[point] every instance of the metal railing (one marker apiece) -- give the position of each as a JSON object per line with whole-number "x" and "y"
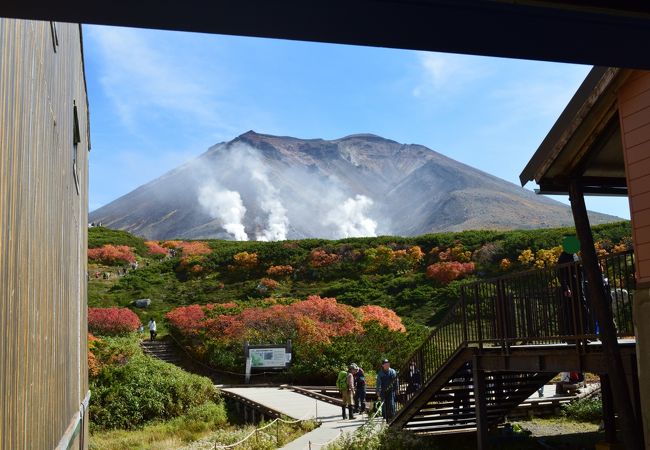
{"x": 543, "y": 306}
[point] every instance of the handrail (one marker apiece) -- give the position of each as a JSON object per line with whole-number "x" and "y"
{"x": 548, "y": 305}
{"x": 445, "y": 340}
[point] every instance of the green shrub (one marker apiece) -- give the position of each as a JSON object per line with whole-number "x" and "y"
{"x": 382, "y": 439}
{"x": 133, "y": 389}
{"x": 588, "y": 409}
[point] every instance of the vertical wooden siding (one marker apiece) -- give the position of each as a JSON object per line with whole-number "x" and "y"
{"x": 43, "y": 233}
{"x": 634, "y": 114}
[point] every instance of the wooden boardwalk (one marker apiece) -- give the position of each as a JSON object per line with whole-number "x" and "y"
{"x": 299, "y": 406}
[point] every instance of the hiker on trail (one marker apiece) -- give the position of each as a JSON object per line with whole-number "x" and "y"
{"x": 413, "y": 379}
{"x": 359, "y": 388}
{"x": 152, "y": 328}
{"x": 345, "y": 384}
{"x": 386, "y": 387}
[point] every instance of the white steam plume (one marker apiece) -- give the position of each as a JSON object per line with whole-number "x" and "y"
{"x": 225, "y": 205}
{"x": 278, "y": 222}
{"x": 350, "y": 217}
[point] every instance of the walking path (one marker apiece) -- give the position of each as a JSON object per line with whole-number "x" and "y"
{"x": 298, "y": 406}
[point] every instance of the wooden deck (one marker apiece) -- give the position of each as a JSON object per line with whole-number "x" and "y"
{"x": 279, "y": 401}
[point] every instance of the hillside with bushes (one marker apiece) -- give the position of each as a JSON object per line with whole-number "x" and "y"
{"x": 352, "y": 299}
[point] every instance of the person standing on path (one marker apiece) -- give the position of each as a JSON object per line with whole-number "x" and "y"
{"x": 152, "y": 329}
{"x": 413, "y": 380}
{"x": 386, "y": 387}
{"x": 359, "y": 388}
{"x": 345, "y": 384}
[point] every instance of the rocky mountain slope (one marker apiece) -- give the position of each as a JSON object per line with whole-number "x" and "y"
{"x": 272, "y": 188}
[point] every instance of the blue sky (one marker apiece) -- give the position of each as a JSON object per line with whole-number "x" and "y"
{"x": 160, "y": 98}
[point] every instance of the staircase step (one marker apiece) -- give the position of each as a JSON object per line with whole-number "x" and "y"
{"x": 162, "y": 350}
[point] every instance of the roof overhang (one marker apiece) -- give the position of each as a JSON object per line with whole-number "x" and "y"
{"x": 585, "y": 142}
{"x": 580, "y": 31}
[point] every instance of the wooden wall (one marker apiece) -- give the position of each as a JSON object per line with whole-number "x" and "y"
{"x": 634, "y": 113}
{"x": 43, "y": 233}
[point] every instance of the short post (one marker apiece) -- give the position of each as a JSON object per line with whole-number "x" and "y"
{"x": 316, "y": 410}
{"x": 309, "y": 445}
{"x": 248, "y": 370}
{"x": 277, "y": 433}
{"x": 248, "y": 362}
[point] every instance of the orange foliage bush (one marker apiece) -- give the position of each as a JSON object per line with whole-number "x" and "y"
{"x": 195, "y": 248}
{"x": 245, "y": 260}
{"x": 279, "y": 271}
{"x": 111, "y": 254}
{"x": 268, "y": 284}
{"x": 94, "y": 366}
{"x": 385, "y": 317}
{"x": 320, "y": 258}
{"x": 172, "y": 244}
{"x": 447, "y": 271}
{"x": 155, "y": 249}
{"x": 456, "y": 253}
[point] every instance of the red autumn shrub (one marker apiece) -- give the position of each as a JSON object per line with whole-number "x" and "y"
{"x": 315, "y": 320}
{"x": 448, "y": 271}
{"x": 187, "y": 320}
{"x": 112, "y": 321}
{"x": 383, "y": 316}
{"x": 155, "y": 249}
{"x": 111, "y": 254}
{"x": 279, "y": 271}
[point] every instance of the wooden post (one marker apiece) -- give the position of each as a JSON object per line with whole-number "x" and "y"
{"x": 608, "y": 409}
{"x": 599, "y": 301}
{"x": 480, "y": 406}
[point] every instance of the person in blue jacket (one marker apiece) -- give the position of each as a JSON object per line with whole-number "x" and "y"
{"x": 386, "y": 388}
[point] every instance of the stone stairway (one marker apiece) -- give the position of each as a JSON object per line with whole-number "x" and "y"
{"x": 163, "y": 350}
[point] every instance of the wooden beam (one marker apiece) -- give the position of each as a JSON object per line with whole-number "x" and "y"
{"x": 480, "y": 406}
{"x": 485, "y": 27}
{"x": 608, "y": 409}
{"x": 599, "y": 301}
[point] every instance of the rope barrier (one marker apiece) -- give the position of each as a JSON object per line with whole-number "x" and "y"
{"x": 325, "y": 443}
{"x": 196, "y": 361}
{"x": 256, "y": 430}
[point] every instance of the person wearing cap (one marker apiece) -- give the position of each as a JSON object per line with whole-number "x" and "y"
{"x": 359, "y": 388}
{"x": 348, "y": 394}
{"x": 386, "y": 387}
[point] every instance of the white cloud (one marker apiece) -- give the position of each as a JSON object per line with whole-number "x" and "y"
{"x": 445, "y": 72}
{"x": 146, "y": 79}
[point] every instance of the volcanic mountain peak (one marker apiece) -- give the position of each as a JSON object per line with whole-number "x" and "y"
{"x": 266, "y": 187}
